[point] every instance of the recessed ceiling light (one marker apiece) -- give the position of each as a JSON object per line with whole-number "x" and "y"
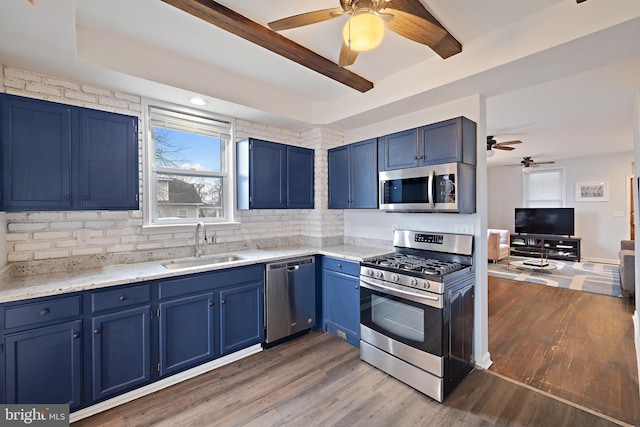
{"x": 197, "y": 101}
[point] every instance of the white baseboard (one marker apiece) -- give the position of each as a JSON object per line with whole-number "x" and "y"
{"x": 164, "y": 383}
{"x": 601, "y": 260}
{"x": 484, "y": 361}
{"x": 636, "y": 327}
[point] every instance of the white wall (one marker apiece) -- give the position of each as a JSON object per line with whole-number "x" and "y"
{"x": 597, "y": 223}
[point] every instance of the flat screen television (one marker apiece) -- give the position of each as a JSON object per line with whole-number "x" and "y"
{"x": 558, "y": 221}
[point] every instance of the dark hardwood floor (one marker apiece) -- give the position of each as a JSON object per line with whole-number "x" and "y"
{"x": 575, "y": 345}
{"x": 318, "y": 380}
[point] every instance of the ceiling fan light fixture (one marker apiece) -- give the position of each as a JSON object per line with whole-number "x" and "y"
{"x": 363, "y": 31}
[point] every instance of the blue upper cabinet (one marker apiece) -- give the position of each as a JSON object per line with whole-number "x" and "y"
{"x": 398, "y": 150}
{"x": 273, "y": 176}
{"x": 353, "y": 176}
{"x": 36, "y": 151}
{"x": 449, "y": 141}
{"x": 452, "y": 140}
{"x": 108, "y": 161}
{"x": 60, "y": 157}
{"x": 300, "y": 175}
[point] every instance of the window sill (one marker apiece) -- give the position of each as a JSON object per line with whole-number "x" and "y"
{"x": 180, "y": 228}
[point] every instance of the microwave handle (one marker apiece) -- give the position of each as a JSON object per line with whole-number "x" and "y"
{"x": 432, "y": 183}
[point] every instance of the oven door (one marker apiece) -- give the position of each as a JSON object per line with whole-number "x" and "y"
{"x": 411, "y": 317}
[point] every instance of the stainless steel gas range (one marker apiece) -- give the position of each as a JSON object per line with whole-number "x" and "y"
{"x": 416, "y": 310}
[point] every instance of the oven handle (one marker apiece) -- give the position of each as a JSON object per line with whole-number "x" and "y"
{"x": 423, "y": 299}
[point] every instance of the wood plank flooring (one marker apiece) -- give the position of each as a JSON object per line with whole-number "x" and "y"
{"x": 318, "y": 380}
{"x": 575, "y": 345}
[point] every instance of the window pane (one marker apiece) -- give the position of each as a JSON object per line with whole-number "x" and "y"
{"x": 189, "y": 197}
{"x": 190, "y": 151}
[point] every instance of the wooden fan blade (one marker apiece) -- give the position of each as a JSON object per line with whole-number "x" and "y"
{"x": 506, "y": 148}
{"x": 305, "y": 19}
{"x": 347, "y": 56}
{"x": 510, "y": 142}
{"x": 415, "y": 28}
{"x": 544, "y": 163}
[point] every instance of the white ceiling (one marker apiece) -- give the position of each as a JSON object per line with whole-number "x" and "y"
{"x": 558, "y": 75}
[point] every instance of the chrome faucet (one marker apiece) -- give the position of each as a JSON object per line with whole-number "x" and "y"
{"x": 199, "y": 226}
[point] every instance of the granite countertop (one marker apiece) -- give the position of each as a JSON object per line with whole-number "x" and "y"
{"x": 13, "y": 288}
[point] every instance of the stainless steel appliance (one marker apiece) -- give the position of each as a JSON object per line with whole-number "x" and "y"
{"x": 449, "y": 187}
{"x": 416, "y": 310}
{"x": 290, "y": 297}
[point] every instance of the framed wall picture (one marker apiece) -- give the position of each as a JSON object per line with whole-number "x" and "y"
{"x": 592, "y": 192}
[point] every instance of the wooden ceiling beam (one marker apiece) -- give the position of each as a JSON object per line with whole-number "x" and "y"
{"x": 448, "y": 46}
{"x": 229, "y": 20}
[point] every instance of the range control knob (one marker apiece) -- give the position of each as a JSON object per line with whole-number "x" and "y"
{"x": 379, "y": 274}
{"x": 368, "y": 272}
{"x": 426, "y": 284}
{"x": 413, "y": 282}
{"x": 395, "y": 277}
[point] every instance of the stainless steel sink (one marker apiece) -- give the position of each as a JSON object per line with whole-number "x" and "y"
{"x": 200, "y": 262}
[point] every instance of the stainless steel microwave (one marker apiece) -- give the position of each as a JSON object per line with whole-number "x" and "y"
{"x": 449, "y": 187}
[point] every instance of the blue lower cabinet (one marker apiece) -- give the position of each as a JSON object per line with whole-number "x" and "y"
{"x": 44, "y": 365}
{"x": 341, "y": 300}
{"x": 186, "y": 332}
{"x": 121, "y": 358}
{"x": 241, "y": 316}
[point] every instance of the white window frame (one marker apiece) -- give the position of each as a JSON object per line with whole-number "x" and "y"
{"x": 525, "y": 187}
{"x": 150, "y": 225}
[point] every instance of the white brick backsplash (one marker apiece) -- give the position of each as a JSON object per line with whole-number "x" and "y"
{"x": 21, "y": 227}
{"x": 87, "y": 251}
{"x": 18, "y": 256}
{"x": 51, "y": 81}
{"x": 53, "y": 235}
{"x": 121, "y": 248}
{"x": 43, "y": 89}
{"x": 31, "y": 247}
{"x": 83, "y": 215}
{"x": 66, "y": 225}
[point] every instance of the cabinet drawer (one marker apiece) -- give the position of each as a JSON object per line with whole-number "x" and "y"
{"x": 120, "y": 298}
{"x": 342, "y": 266}
{"x": 209, "y": 281}
{"x": 42, "y": 312}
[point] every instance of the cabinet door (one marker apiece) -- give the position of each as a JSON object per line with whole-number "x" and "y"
{"x": 44, "y": 365}
{"x": 267, "y": 175}
{"x": 441, "y": 142}
{"x": 339, "y": 160}
{"x": 186, "y": 332}
{"x": 121, "y": 351}
{"x": 241, "y": 317}
{"x": 398, "y": 150}
{"x": 364, "y": 175}
{"x": 341, "y": 310}
{"x": 36, "y": 148}
{"x": 108, "y": 161}
{"x": 448, "y": 141}
{"x": 300, "y": 174}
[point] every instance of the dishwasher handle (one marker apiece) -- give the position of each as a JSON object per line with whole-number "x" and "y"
{"x": 290, "y": 265}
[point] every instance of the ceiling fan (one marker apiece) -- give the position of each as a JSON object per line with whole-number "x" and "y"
{"x": 364, "y": 29}
{"x": 492, "y": 143}
{"x": 529, "y": 162}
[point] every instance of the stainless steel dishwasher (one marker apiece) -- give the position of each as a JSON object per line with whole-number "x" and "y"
{"x": 290, "y": 297}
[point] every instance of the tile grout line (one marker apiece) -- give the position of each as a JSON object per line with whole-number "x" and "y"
{"x": 560, "y": 399}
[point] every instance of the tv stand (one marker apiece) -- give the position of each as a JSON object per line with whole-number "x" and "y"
{"x": 556, "y": 247}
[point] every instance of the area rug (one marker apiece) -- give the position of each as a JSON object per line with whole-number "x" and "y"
{"x": 581, "y": 276}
